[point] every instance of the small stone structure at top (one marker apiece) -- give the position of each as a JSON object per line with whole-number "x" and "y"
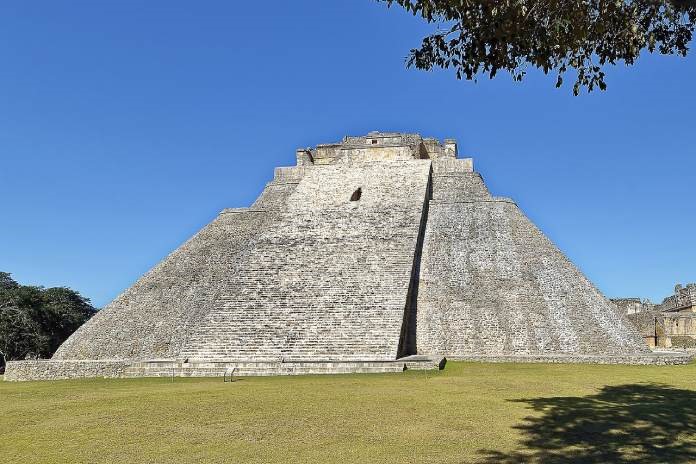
{"x": 374, "y": 254}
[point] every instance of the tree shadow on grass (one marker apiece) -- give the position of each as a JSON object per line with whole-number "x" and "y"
{"x": 636, "y": 423}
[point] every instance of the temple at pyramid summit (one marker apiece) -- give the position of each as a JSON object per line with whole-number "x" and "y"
{"x": 378, "y": 253}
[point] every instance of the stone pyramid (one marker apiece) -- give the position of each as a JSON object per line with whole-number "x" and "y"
{"x": 376, "y": 249}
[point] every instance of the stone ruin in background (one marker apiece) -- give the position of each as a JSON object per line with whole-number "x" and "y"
{"x": 670, "y": 324}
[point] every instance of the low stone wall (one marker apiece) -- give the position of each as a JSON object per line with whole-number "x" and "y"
{"x": 655, "y": 358}
{"x": 46, "y": 369}
{"x": 71, "y": 369}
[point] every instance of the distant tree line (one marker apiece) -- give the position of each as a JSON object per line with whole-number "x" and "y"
{"x": 34, "y": 321}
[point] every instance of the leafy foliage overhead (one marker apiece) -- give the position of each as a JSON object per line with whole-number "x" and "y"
{"x": 482, "y": 37}
{"x": 34, "y": 321}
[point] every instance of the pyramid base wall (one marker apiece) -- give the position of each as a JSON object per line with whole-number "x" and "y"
{"x": 46, "y": 369}
{"x": 666, "y": 358}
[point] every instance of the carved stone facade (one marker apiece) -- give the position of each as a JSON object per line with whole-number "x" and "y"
{"x": 670, "y": 324}
{"x": 374, "y": 254}
{"x": 666, "y": 330}
{"x": 683, "y": 300}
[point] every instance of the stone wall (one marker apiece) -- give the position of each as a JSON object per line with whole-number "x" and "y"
{"x": 679, "y": 330}
{"x": 667, "y": 330}
{"x": 57, "y": 370}
{"x": 665, "y": 358}
{"x": 645, "y": 322}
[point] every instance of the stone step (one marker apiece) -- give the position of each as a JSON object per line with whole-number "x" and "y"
{"x": 248, "y": 368}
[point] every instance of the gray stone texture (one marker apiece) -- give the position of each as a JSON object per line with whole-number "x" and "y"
{"x": 330, "y": 278}
{"x": 491, "y": 284}
{"x": 47, "y": 369}
{"x": 425, "y": 261}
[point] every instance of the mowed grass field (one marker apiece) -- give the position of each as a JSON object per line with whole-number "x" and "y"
{"x": 469, "y": 412}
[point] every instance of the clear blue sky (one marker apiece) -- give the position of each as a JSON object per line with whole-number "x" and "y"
{"x": 125, "y": 126}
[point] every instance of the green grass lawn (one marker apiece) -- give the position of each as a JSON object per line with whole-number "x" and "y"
{"x": 469, "y": 412}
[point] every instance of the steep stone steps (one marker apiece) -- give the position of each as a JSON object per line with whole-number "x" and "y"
{"x": 330, "y": 279}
